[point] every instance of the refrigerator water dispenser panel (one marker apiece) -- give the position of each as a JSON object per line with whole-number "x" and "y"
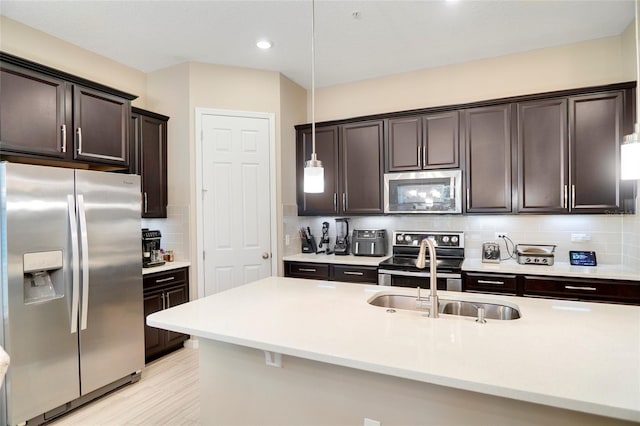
{"x": 41, "y": 270}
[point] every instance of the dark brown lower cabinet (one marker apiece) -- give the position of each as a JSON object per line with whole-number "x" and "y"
{"x": 163, "y": 290}
{"x": 332, "y": 272}
{"x": 570, "y": 288}
{"x": 583, "y": 289}
{"x": 493, "y": 283}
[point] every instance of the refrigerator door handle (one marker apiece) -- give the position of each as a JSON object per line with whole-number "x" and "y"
{"x": 75, "y": 264}
{"x": 85, "y": 263}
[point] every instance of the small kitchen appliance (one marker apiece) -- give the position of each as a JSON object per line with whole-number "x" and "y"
{"x": 430, "y": 191}
{"x": 368, "y": 242}
{"x": 490, "y": 252}
{"x": 342, "y": 237}
{"x": 151, "y": 255}
{"x": 400, "y": 269}
{"x": 535, "y": 254}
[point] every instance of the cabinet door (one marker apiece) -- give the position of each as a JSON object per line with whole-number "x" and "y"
{"x": 543, "y": 163}
{"x": 314, "y": 271}
{"x": 32, "y": 114}
{"x": 488, "y": 159}
{"x": 441, "y": 145}
{"x": 101, "y": 123}
{"x": 404, "y": 144}
{"x": 361, "y": 168}
{"x": 153, "y": 160}
{"x": 327, "y": 152}
{"x": 154, "y": 338}
{"x": 594, "y": 139}
{"x": 175, "y": 296}
{"x": 490, "y": 283}
{"x": 355, "y": 274}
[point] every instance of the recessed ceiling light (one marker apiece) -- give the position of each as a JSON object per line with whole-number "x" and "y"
{"x": 264, "y": 44}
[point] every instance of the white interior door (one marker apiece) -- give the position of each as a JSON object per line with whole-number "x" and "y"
{"x": 236, "y": 213}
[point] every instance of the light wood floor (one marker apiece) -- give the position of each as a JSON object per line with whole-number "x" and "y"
{"x": 167, "y": 394}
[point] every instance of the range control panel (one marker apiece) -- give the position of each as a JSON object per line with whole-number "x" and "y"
{"x": 442, "y": 239}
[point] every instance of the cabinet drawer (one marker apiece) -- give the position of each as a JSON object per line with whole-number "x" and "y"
{"x": 593, "y": 290}
{"x": 165, "y": 278}
{"x": 318, "y": 271}
{"x": 494, "y": 283}
{"x": 355, "y": 274}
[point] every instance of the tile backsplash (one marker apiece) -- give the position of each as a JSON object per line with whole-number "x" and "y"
{"x": 174, "y": 230}
{"x": 600, "y": 233}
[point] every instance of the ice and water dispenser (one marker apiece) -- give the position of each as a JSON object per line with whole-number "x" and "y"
{"x": 43, "y": 276}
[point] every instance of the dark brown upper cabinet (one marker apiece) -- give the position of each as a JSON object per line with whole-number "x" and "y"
{"x": 543, "y": 156}
{"x": 53, "y": 117}
{"x": 324, "y": 203}
{"x": 423, "y": 142}
{"x": 149, "y": 139}
{"x": 352, "y": 158}
{"x": 32, "y": 113}
{"x": 101, "y": 127}
{"x": 488, "y": 162}
{"x": 595, "y": 134}
{"x": 362, "y": 167}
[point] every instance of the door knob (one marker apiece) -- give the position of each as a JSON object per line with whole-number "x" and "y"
{"x": 265, "y": 255}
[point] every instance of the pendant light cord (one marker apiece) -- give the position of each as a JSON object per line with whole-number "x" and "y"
{"x": 313, "y": 79}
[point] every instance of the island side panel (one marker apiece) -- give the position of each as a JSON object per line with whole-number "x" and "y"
{"x": 238, "y": 388}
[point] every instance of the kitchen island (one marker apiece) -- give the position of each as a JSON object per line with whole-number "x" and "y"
{"x": 292, "y": 351}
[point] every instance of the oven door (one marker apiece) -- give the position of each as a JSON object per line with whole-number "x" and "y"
{"x": 444, "y": 281}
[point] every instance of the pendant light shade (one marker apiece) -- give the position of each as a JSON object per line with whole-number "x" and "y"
{"x": 630, "y": 149}
{"x": 630, "y": 156}
{"x": 313, "y": 170}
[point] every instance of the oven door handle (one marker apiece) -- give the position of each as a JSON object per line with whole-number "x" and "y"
{"x": 417, "y": 274}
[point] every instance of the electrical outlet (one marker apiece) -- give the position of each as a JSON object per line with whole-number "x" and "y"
{"x": 370, "y": 422}
{"x": 498, "y": 235}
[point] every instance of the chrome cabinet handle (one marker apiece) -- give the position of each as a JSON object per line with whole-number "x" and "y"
{"x": 573, "y": 196}
{"x": 573, "y": 287}
{"x": 146, "y": 202}
{"x": 565, "y": 196}
{"x": 468, "y": 198}
{"x": 419, "y": 157}
{"x": 335, "y": 201}
{"x": 353, "y": 273}
{"x": 163, "y": 302}
{"x": 491, "y": 282}
{"x": 164, "y": 280}
{"x": 168, "y": 300}
{"x": 344, "y": 201}
{"x": 79, "y": 133}
{"x": 63, "y": 132}
{"x": 307, "y": 270}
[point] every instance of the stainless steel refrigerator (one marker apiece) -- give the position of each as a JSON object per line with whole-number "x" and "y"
{"x": 71, "y": 287}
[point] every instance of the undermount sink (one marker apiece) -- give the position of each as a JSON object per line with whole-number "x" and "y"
{"x": 465, "y": 308}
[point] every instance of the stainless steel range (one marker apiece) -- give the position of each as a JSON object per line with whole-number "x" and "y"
{"x": 401, "y": 270}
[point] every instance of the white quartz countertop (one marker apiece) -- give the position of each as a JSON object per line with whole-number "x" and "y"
{"x": 338, "y": 260}
{"x": 573, "y": 355}
{"x": 563, "y": 269}
{"x": 168, "y": 266}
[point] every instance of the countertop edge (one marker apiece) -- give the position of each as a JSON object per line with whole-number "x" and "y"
{"x": 169, "y": 266}
{"x": 499, "y": 391}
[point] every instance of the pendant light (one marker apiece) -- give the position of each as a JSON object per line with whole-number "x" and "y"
{"x": 630, "y": 149}
{"x": 313, "y": 170}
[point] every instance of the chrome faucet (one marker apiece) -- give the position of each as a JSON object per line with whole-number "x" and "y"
{"x": 421, "y": 264}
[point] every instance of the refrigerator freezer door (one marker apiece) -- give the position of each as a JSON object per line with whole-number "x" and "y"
{"x": 112, "y": 345}
{"x": 36, "y": 332}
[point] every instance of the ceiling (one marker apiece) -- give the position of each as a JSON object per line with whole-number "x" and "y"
{"x": 355, "y": 40}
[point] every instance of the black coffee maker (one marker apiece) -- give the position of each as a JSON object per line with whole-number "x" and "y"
{"x": 151, "y": 255}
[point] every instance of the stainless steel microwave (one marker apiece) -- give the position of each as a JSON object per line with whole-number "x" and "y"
{"x": 437, "y": 191}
